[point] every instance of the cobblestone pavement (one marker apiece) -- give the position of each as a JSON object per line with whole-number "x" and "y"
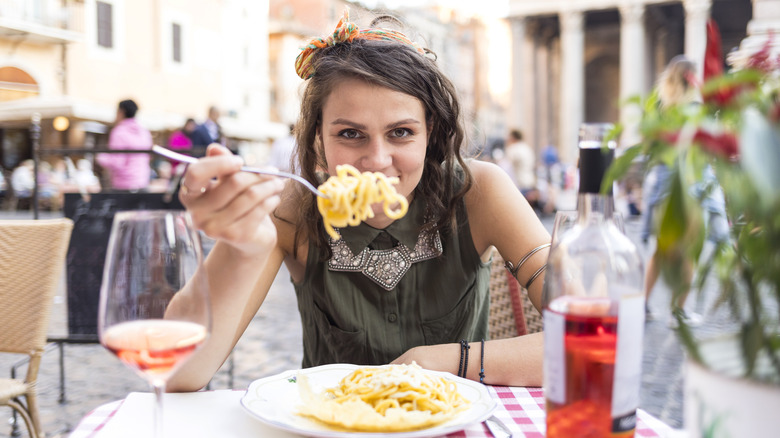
{"x": 272, "y": 344}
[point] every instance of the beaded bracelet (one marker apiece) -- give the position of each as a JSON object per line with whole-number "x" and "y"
{"x": 463, "y": 366}
{"x": 482, "y": 363}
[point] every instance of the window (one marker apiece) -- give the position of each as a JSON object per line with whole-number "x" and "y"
{"x": 176, "y": 42}
{"x": 105, "y": 29}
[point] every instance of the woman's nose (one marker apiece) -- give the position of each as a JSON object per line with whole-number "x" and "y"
{"x": 378, "y": 156}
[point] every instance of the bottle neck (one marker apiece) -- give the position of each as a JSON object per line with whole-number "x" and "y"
{"x": 594, "y": 208}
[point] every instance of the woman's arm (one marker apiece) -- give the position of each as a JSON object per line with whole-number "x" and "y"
{"x": 513, "y": 361}
{"x": 237, "y": 288}
{"x": 500, "y": 216}
{"x": 235, "y": 209}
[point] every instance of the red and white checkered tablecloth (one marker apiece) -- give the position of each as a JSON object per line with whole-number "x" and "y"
{"x": 521, "y": 409}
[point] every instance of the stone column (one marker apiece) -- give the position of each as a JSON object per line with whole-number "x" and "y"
{"x": 518, "y": 116}
{"x": 528, "y": 100}
{"x": 632, "y": 67}
{"x": 696, "y": 14}
{"x": 766, "y": 20}
{"x": 572, "y": 82}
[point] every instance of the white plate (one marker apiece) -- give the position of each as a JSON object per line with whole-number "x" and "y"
{"x": 274, "y": 401}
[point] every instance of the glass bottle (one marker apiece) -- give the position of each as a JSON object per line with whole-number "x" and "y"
{"x": 593, "y": 312}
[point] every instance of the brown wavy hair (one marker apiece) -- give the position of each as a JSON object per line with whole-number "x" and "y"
{"x": 401, "y": 68}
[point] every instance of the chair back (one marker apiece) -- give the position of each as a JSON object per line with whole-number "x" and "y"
{"x": 32, "y": 260}
{"x": 511, "y": 311}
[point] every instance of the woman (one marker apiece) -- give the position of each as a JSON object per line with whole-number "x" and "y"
{"x": 677, "y": 91}
{"x": 376, "y": 101}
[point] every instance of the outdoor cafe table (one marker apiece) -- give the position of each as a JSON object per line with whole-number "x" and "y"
{"x": 219, "y": 413}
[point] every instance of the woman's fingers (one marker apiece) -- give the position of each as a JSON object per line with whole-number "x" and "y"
{"x": 199, "y": 177}
{"x": 229, "y": 204}
{"x": 235, "y": 198}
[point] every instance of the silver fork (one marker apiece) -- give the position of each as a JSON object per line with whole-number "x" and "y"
{"x": 498, "y": 428}
{"x": 159, "y": 150}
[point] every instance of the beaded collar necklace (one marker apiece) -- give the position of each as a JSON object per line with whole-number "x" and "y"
{"x": 385, "y": 267}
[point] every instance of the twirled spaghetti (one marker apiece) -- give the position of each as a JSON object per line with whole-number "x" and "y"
{"x": 393, "y": 398}
{"x": 351, "y": 194}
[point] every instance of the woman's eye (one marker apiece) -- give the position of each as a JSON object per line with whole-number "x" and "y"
{"x": 349, "y": 133}
{"x": 400, "y": 132}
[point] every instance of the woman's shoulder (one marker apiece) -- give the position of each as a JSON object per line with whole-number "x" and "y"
{"x": 487, "y": 175}
{"x": 491, "y": 187}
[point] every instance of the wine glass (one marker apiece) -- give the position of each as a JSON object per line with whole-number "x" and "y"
{"x": 154, "y": 304}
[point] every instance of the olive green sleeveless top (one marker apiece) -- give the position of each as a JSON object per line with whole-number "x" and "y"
{"x": 387, "y": 290}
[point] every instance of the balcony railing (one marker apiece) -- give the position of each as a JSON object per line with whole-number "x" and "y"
{"x": 42, "y": 21}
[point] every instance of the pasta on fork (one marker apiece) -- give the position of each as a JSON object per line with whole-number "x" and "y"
{"x": 351, "y": 195}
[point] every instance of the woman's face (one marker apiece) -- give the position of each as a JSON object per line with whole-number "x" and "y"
{"x": 375, "y": 129}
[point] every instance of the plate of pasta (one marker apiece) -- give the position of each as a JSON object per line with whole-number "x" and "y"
{"x": 398, "y": 401}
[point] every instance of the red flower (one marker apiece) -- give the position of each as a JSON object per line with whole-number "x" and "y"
{"x": 724, "y": 144}
{"x": 669, "y": 137}
{"x": 723, "y": 95}
{"x": 722, "y": 92}
{"x": 713, "y": 59}
{"x": 760, "y": 60}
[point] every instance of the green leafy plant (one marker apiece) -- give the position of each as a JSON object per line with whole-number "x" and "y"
{"x": 735, "y": 132}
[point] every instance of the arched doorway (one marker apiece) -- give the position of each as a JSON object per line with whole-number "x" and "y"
{"x": 16, "y": 84}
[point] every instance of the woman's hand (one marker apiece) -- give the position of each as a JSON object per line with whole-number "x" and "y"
{"x": 230, "y": 205}
{"x": 442, "y": 357}
{"x": 512, "y": 361}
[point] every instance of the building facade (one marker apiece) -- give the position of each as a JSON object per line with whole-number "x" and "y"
{"x": 78, "y": 58}
{"x": 575, "y": 61}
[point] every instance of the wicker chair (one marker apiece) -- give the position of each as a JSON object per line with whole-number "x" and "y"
{"x": 511, "y": 311}
{"x": 32, "y": 258}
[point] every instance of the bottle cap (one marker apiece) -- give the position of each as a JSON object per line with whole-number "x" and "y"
{"x": 595, "y": 155}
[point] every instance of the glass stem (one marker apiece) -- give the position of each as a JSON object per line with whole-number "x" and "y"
{"x": 159, "y": 389}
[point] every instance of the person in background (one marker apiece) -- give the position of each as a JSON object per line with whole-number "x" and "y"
{"x": 84, "y": 177}
{"x": 282, "y": 151}
{"x": 207, "y": 132}
{"x": 522, "y": 160}
{"x": 127, "y": 172}
{"x": 181, "y": 140}
{"x": 676, "y": 88}
{"x": 162, "y": 177}
{"x": 3, "y": 185}
{"x": 23, "y": 179}
{"x": 551, "y": 164}
{"x": 377, "y": 101}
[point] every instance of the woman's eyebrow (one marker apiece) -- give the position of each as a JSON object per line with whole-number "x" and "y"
{"x": 403, "y": 122}
{"x": 348, "y": 123}
{"x": 392, "y": 125}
